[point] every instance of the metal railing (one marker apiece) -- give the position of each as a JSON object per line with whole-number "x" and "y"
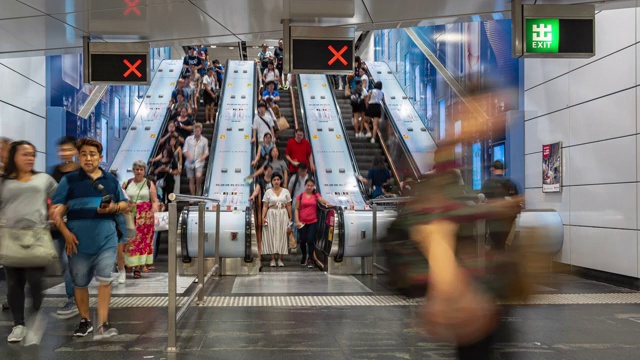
{"x": 175, "y": 314}
{"x": 374, "y": 232}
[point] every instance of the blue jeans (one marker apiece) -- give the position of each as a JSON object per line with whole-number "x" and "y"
{"x": 308, "y": 239}
{"x": 84, "y": 267}
{"x": 64, "y": 266}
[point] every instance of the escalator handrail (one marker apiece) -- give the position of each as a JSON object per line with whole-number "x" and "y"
{"x": 341, "y": 235}
{"x": 354, "y": 163}
{"x": 412, "y": 162}
{"x": 214, "y": 140}
{"x": 248, "y": 256}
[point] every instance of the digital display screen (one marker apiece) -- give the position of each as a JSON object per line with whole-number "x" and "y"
{"x": 119, "y": 68}
{"x": 323, "y": 55}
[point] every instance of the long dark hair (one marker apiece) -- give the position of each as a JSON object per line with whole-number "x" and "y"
{"x": 10, "y": 168}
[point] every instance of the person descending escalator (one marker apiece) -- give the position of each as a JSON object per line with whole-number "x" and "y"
{"x": 306, "y": 220}
{"x": 378, "y": 175}
{"x": 276, "y": 214}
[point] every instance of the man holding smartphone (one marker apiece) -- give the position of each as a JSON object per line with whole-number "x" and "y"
{"x": 91, "y": 198}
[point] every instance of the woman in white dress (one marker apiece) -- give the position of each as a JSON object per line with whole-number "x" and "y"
{"x": 276, "y": 213}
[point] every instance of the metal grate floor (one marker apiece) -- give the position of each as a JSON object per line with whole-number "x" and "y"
{"x": 339, "y": 301}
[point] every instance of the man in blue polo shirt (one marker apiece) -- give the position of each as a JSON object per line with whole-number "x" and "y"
{"x": 91, "y": 198}
{"x": 271, "y": 92}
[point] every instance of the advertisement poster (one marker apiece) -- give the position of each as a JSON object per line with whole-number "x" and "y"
{"x": 552, "y": 167}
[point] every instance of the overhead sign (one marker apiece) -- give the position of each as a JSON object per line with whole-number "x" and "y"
{"x": 319, "y": 50}
{"x": 566, "y": 31}
{"x": 116, "y": 63}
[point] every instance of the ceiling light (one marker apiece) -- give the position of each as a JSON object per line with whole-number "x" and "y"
{"x": 230, "y": 47}
{"x": 213, "y": 46}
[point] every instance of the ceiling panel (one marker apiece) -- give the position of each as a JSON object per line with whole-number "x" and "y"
{"x": 14, "y": 9}
{"x": 37, "y": 33}
{"x": 152, "y": 23}
{"x": 244, "y": 16}
{"x": 398, "y": 10}
{"x": 71, "y": 6}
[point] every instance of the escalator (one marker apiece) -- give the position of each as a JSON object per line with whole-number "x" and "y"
{"x": 229, "y": 163}
{"x": 148, "y": 126}
{"x": 410, "y": 144}
{"x": 348, "y": 230}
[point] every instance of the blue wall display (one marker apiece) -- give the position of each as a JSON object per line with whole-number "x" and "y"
{"x": 112, "y": 115}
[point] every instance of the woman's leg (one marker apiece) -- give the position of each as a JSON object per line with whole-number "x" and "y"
{"x": 16, "y": 279}
{"x": 365, "y": 123}
{"x": 34, "y": 278}
{"x": 376, "y": 122}
{"x": 311, "y": 239}
{"x": 356, "y": 124}
{"x": 121, "y": 249}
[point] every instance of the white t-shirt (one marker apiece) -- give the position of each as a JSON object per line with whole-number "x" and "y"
{"x": 197, "y": 149}
{"x": 365, "y": 81}
{"x": 209, "y": 81}
{"x": 375, "y": 96}
{"x": 272, "y": 75}
{"x": 261, "y": 127}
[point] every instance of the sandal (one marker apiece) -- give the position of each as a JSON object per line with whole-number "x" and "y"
{"x": 151, "y": 268}
{"x": 137, "y": 274}
{"x": 145, "y": 269}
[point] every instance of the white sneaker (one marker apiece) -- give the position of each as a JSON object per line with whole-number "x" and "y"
{"x": 122, "y": 277}
{"x": 280, "y": 263}
{"x": 273, "y": 263}
{"x": 373, "y": 140}
{"x": 17, "y": 334}
{"x": 368, "y": 135}
{"x": 37, "y": 326}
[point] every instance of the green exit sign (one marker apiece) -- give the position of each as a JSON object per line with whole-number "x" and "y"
{"x": 542, "y": 35}
{"x": 553, "y": 31}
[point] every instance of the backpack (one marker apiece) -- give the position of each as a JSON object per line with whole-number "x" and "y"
{"x": 356, "y": 98}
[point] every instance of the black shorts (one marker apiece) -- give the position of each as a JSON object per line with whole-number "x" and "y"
{"x": 374, "y": 111}
{"x": 208, "y": 99}
{"x": 279, "y": 68}
{"x": 358, "y": 108}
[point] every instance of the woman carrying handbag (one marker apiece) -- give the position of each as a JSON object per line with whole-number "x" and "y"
{"x": 26, "y": 247}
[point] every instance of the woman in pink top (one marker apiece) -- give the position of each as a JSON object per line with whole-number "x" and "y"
{"x": 306, "y": 218}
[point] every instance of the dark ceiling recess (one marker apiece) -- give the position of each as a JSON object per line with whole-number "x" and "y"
{"x": 360, "y": 40}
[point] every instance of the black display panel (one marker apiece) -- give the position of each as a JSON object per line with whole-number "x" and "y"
{"x": 116, "y": 68}
{"x": 576, "y": 36}
{"x": 322, "y": 55}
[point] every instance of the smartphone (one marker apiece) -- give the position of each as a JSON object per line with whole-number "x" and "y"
{"x": 106, "y": 201}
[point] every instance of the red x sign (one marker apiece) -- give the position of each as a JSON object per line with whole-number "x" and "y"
{"x": 337, "y": 55}
{"x": 132, "y": 6}
{"x": 132, "y": 68}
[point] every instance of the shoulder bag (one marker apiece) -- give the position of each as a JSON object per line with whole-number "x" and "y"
{"x": 25, "y": 248}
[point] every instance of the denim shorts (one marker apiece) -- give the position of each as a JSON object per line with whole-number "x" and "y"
{"x": 84, "y": 267}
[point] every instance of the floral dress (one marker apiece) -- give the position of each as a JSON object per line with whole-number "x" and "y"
{"x": 140, "y": 250}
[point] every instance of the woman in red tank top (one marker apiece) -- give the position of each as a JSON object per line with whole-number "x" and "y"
{"x": 306, "y": 218}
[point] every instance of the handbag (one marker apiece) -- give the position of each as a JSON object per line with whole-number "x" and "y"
{"x": 26, "y": 248}
{"x": 292, "y": 241}
{"x": 283, "y": 124}
{"x": 347, "y": 91}
{"x": 161, "y": 221}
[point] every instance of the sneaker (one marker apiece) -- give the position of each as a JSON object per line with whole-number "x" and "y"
{"x": 105, "y": 331}
{"x": 68, "y": 310}
{"x": 122, "y": 277}
{"x": 273, "y": 263}
{"x": 280, "y": 263}
{"x": 83, "y": 329}
{"x": 369, "y": 135}
{"x": 304, "y": 260}
{"x": 310, "y": 264}
{"x": 373, "y": 140}
{"x": 17, "y": 334}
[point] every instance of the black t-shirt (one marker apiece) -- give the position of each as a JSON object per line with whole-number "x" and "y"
{"x": 58, "y": 174}
{"x": 279, "y": 54}
{"x": 181, "y": 131}
{"x": 499, "y": 187}
{"x": 192, "y": 60}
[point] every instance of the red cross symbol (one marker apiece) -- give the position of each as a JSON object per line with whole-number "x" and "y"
{"x": 337, "y": 55}
{"x": 132, "y": 6}
{"x": 132, "y": 68}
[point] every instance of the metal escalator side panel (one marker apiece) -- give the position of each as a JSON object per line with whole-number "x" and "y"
{"x": 413, "y": 133}
{"x": 232, "y": 233}
{"x": 141, "y": 140}
{"x": 335, "y": 169}
{"x": 356, "y": 231}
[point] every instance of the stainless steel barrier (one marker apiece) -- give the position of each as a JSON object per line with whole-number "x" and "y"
{"x": 374, "y": 235}
{"x": 174, "y": 314}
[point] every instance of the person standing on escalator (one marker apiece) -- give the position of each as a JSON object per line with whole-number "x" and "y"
{"x": 306, "y": 220}
{"x": 377, "y": 176}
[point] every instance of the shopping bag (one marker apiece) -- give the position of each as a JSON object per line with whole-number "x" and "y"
{"x": 161, "y": 221}
{"x": 283, "y": 124}
{"x": 292, "y": 241}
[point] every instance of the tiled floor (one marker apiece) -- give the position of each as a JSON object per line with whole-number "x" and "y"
{"x": 310, "y": 315}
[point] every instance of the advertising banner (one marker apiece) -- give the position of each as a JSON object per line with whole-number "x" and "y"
{"x": 552, "y": 167}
